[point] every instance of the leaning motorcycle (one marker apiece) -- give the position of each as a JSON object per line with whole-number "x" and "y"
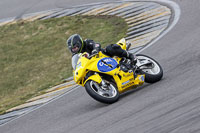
{"x": 105, "y": 78}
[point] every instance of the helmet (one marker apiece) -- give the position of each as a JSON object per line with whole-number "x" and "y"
{"x": 75, "y": 43}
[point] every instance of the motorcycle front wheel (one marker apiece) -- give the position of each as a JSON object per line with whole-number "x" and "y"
{"x": 108, "y": 94}
{"x": 153, "y": 71}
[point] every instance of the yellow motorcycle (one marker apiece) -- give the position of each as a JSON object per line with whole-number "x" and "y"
{"x": 105, "y": 78}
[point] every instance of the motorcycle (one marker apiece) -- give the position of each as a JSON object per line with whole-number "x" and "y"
{"x": 105, "y": 78}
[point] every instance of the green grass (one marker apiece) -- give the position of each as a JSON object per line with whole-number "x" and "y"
{"x": 34, "y": 56}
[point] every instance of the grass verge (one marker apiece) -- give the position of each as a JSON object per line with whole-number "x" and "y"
{"x": 34, "y": 56}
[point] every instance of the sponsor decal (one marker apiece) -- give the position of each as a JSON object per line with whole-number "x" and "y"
{"x": 127, "y": 75}
{"x": 128, "y": 84}
{"x": 125, "y": 82}
{"x": 106, "y": 64}
{"x": 142, "y": 78}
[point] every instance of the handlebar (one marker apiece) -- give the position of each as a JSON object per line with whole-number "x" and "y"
{"x": 92, "y": 55}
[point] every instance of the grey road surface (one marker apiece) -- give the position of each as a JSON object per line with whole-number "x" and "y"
{"x": 169, "y": 106}
{"x": 15, "y": 8}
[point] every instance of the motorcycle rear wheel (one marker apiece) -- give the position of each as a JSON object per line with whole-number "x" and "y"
{"x": 107, "y": 95}
{"x": 153, "y": 74}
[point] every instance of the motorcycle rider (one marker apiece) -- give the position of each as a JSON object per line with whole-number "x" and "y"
{"x": 77, "y": 45}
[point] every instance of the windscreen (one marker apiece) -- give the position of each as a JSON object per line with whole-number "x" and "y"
{"x": 75, "y": 60}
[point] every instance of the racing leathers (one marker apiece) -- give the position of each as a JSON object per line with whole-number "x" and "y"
{"x": 111, "y": 50}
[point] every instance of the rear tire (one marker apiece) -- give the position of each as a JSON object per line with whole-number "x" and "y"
{"x": 105, "y": 96}
{"x": 152, "y": 75}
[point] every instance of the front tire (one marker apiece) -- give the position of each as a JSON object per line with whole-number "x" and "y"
{"x": 154, "y": 73}
{"x": 107, "y": 95}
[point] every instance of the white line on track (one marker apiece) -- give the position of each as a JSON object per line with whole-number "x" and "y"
{"x": 176, "y": 12}
{"x": 73, "y": 89}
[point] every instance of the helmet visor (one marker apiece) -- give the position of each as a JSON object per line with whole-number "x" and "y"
{"x": 76, "y": 48}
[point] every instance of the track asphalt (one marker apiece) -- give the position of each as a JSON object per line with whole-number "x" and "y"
{"x": 169, "y": 106}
